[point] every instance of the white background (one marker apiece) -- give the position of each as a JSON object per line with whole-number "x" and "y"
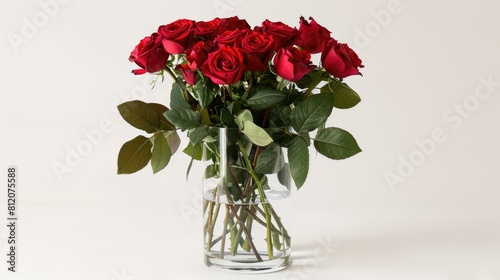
{"x": 441, "y": 221}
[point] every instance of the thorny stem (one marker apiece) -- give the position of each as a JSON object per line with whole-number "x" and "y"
{"x": 249, "y": 236}
{"x": 263, "y": 199}
{"x": 226, "y": 222}
{"x": 274, "y": 229}
{"x": 234, "y": 245}
{"x": 280, "y": 224}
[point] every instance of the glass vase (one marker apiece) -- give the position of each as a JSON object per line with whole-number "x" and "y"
{"x": 246, "y": 204}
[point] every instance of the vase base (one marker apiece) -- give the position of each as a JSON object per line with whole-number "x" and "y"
{"x": 246, "y": 263}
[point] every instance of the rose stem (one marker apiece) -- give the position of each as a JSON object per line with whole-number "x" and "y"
{"x": 224, "y": 232}
{"x": 263, "y": 201}
{"x": 242, "y": 225}
{"x": 273, "y": 228}
{"x": 243, "y": 215}
{"x": 212, "y": 219}
{"x": 171, "y": 74}
{"x": 278, "y": 222}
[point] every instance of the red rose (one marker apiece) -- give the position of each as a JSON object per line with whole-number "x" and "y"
{"x": 149, "y": 54}
{"x": 177, "y": 35}
{"x": 257, "y": 49}
{"x": 196, "y": 55}
{"x": 230, "y": 37}
{"x": 207, "y": 29}
{"x": 233, "y": 23}
{"x": 340, "y": 60}
{"x": 312, "y": 35}
{"x": 292, "y": 64}
{"x": 188, "y": 74}
{"x": 225, "y": 66}
{"x": 283, "y": 34}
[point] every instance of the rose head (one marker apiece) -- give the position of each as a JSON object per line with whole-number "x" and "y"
{"x": 233, "y": 23}
{"x": 149, "y": 54}
{"x": 207, "y": 29}
{"x": 257, "y": 49}
{"x": 283, "y": 34}
{"x": 312, "y": 35}
{"x": 177, "y": 36}
{"x": 196, "y": 55}
{"x": 230, "y": 38}
{"x": 224, "y": 66}
{"x": 292, "y": 64}
{"x": 340, "y": 60}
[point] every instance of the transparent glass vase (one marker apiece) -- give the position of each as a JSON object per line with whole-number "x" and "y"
{"x": 246, "y": 204}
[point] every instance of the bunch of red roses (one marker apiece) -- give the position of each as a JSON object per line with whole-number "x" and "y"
{"x": 224, "y": 49}
{"x": 261, "y": 81}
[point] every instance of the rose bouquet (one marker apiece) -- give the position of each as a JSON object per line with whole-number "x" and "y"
{"x": 262, "y": 86}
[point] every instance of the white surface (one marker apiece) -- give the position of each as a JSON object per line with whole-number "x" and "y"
{"x": 441, "y": 223}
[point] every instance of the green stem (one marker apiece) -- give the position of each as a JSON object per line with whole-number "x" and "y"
{"x": 250, "y": 85}
{"x": 169, "y": 71}
{"x": 212, "y": 219}
{"x": 242, "y": 218}
{"x": 280, "y": 224}
{"x": 262, "y": 198}
{"x": 247, "y": 233}
{"x": 205, "y": 117}
{"x": 241, "y": 221}
{"x": 230, "y": 92}
{"x": 224, "y": 233}
{"x": 312, "y": 86}
{"x": 273, "y": 228}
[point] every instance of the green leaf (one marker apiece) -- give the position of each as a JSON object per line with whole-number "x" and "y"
{"x": 177, "y": 97}
{"x": 298, "y": 158}
{"x": 198, "y": 134}
{"x": 277, "y": 240}
{"x": 164, "y": 123}
{"x": 183, "y": 118}
{"x": 204, "y": 94}
{"x": 336, "y": 143}
{"x": 227, "y": 118}
{"x": 161, "y": 153}
{"x": 343, "y": 96}
{"x": 284, "y": 176}
{"x": 210, "y": 171}
{"x": 173, "y": 140}
{"x": 134, "y": 155}
{"x": 242, "y": 117}
{"x": 265, "y": 98}
{"x": 235, "y": 107}
{"x": 140, "y": 115}
{"x": 256, "y": 134}
{"x": 270, "y": 160}
{"x": 311, "y": 112}
{"x": 280, "y": 116}
{"x": 196, "y": 152}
